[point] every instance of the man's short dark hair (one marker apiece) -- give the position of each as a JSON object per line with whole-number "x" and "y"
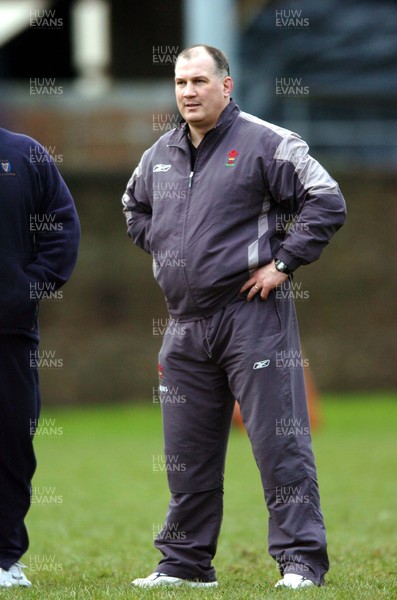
{"x": 222, "y": 68}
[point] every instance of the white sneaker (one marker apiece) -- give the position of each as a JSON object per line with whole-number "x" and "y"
{"x": 5, "y": 578}
{"x": 14, "y": 576}
{"x": 294, "y": 581}
{"x": 156, "y": 579}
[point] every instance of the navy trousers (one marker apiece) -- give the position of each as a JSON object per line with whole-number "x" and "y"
{"x": 249, "y": 351}
{"x": 19, "y": 413}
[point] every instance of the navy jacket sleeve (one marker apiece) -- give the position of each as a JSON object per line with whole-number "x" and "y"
{"x": 39, "y": 231}
{"x": 55, "y": 227}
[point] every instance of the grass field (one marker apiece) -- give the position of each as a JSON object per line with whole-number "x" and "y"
{"x": 99, "y": 497}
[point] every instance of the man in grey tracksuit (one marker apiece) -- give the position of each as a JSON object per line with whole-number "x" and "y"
{"x": 210, "y": 200}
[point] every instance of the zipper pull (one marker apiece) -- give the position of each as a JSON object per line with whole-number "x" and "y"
{"x": 191, "y": 178}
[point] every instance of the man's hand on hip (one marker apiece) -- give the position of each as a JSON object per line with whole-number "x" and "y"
{"x": 263, "y": 280}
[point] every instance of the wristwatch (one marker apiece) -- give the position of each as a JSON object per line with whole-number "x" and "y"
{"x": 282, "y": 267}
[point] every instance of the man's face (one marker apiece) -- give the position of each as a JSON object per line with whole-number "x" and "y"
{"x": 201, "y": 95}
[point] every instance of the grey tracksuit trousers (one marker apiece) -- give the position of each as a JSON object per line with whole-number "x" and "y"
{"x": 249, "y": 351}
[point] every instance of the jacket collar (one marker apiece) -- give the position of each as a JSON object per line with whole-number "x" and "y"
{"x": 227, "y": 117}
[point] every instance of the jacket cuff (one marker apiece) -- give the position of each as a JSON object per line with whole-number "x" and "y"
{"x": 287, "y": 258}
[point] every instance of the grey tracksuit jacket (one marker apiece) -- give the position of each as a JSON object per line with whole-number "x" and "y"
{"x": 255, "y": 194}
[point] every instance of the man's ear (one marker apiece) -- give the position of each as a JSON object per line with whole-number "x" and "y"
{"x": 227, "y": 86}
